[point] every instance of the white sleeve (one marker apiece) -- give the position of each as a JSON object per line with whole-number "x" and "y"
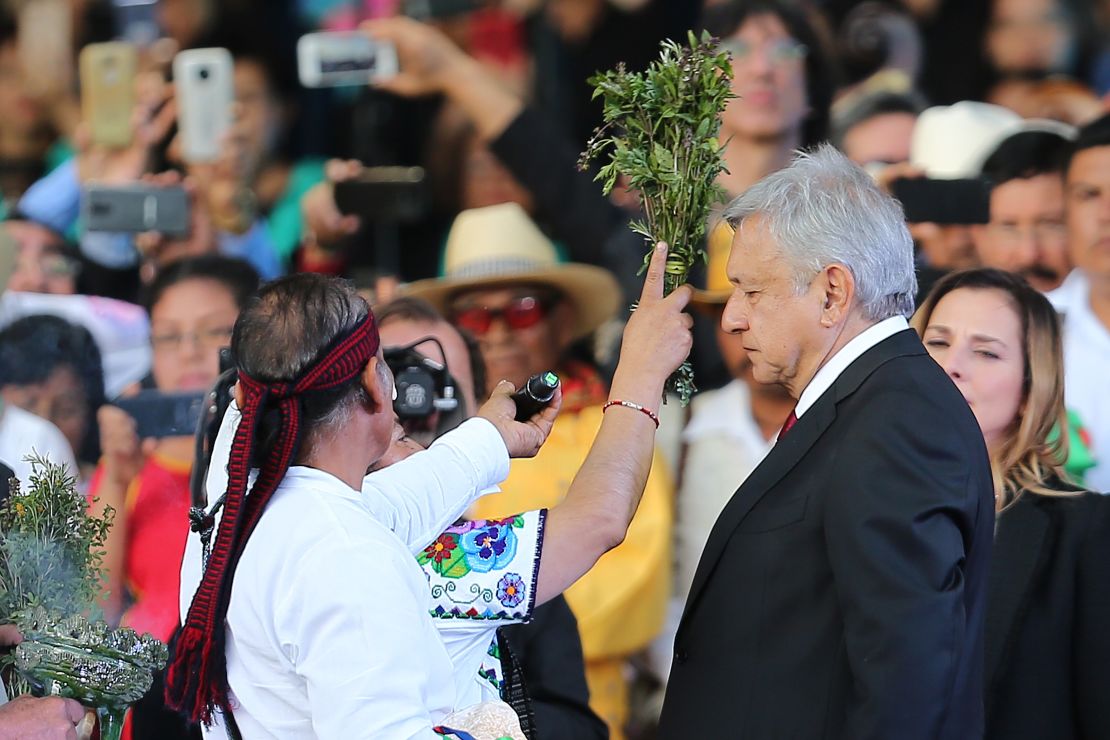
{"x": 420, "y": 496}
{"x": 358, "y": 635}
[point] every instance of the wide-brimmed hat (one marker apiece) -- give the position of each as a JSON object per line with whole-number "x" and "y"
{"x": 952, "y": 141}
{"x": 717, "y": 287}
{"x": 500, "y": 246}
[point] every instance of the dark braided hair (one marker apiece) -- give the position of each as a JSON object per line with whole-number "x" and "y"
{"x": 301, "y": 345}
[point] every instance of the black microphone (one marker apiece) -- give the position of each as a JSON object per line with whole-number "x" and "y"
{"x": 536, "y": 393}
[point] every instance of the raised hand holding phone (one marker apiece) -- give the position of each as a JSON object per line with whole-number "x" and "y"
{"x": 204, "y": 89}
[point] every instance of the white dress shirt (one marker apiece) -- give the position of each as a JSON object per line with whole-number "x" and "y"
{"x": 1086, "y": 361}
{"x": 848, "y": 354}
{"x": 329, "y": 628}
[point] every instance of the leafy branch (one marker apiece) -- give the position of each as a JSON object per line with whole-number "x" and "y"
{"x": 660, "y": 132}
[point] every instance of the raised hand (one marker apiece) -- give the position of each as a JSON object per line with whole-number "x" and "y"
{"x": 323, "y": 223}
{"x": 425, "y": 56}
{"x": 523, "y": 439}
{"x": 656, "y": 339}
{"x": 151, "y": 120}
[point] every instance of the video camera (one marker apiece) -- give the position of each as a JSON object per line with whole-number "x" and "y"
{"x": 424, "y": 388}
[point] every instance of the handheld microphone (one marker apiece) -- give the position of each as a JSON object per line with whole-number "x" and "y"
{"x": 536, "y": 393}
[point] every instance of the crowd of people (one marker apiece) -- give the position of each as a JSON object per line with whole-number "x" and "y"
{"x": 880, "y": 516}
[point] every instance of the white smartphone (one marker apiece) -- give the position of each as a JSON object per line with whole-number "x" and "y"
{"x": 334, "y": 59}
{"x": 203, "y": 81}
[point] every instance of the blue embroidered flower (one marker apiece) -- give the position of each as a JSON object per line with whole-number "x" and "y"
{"x": 510, "y": 589}
{"x": 489, "y": 547}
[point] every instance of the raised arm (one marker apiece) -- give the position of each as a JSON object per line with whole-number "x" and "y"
{"x": 594, "y": 516}
{"x": 592, "y": 229}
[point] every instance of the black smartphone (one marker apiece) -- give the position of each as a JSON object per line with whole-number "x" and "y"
{"x": 396, "y": 194}
{"x": 944, "y": 201}
{"x": 159, "y": 415}
{"x": 135, "y": 208}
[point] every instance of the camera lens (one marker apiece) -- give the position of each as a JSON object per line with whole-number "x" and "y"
{"x": 203, "y": 73}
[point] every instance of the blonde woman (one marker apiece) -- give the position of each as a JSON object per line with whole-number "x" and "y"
{"x": 1048, "y": 613}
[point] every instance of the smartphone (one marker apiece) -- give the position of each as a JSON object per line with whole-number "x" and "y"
{"x": 108, "y": 91}
{"x": 337, "y": 58}
{"x": 136, "y": 21}
{"x": 395, "y": 194}
{"x": 159, "y": 415}
{"x": 944, "y": 201}
{"x": 135, "y": 208}
{"x": 203, "y": 81}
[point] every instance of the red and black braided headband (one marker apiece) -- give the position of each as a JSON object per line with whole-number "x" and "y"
{"x": 196, "y": 679}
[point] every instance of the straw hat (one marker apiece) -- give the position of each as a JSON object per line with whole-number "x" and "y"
{"x": 953, "y": 141}
{"x": 717, "y": 287}
{"x": 500, "y": 246}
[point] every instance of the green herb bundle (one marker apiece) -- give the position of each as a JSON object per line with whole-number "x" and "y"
{"x": 660, "y": 132}
{"x": 50, "y": 549}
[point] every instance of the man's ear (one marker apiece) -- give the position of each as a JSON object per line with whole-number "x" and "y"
{"x": 377, "y": 389}
{"x": 840, "y": 293}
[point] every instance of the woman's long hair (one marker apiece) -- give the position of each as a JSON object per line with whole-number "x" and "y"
{"x": 1031, "y": 458}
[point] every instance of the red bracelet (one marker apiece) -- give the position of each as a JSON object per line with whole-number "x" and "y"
{"x": 628, "y": 404}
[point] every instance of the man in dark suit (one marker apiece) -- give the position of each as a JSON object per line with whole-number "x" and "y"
{"x": 841, "y": 592}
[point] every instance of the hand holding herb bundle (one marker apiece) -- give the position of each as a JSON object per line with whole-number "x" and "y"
{"x": 660, "y": 131}
{"x": 51, "y": 578}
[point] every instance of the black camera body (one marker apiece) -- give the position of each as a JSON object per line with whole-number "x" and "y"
{"x": 424, "y": 387}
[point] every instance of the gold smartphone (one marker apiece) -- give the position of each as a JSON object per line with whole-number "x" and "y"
{"x": 108, "y": 91}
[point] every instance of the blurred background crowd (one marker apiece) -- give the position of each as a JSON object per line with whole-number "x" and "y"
{"x": 448, "y": 192}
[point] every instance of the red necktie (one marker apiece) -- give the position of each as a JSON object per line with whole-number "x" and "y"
{"x": 790, "y": 422}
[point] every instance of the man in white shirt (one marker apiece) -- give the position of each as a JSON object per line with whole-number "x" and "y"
{"x": 842, "y": 591}
{"x": 328, "y": 632}
{"x": 1084, "y": 299}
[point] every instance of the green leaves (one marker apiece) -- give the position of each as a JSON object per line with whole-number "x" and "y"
{"x": 660, "y": 133}
{"x": 50, "y": 549}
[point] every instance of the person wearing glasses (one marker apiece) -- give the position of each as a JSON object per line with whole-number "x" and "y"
{"x": 193, "y": 304}
{"x": 504, "y": 284}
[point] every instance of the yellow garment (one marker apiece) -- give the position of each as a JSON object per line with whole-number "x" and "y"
{"x": 621, "y": 602}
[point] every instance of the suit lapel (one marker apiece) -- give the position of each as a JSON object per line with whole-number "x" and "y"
{"x": 786, "y": 454}
{"x": 1020, "y": 547}
{"x": 778, "y": 462}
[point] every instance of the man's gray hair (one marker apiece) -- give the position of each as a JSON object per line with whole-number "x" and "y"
{"x": 824, "y": 209}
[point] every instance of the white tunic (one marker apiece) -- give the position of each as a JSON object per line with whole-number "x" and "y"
{"x": 330, "y": 631}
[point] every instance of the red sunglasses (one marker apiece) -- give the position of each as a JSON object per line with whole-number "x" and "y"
{"x": 521, "y": 313}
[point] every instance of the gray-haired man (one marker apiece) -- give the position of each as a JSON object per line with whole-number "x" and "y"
{"x": 841, "y": 592}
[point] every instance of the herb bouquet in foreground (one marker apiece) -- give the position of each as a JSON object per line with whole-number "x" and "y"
{"x": 50, "y": 580}
{"x": 660, "y": 133}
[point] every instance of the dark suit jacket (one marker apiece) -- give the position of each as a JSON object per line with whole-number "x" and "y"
{"x": 1048, "y": 620}
{"x": 842, "y": 591}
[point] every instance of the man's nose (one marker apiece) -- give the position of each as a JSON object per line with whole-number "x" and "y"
{"x": 734, "y": 318}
